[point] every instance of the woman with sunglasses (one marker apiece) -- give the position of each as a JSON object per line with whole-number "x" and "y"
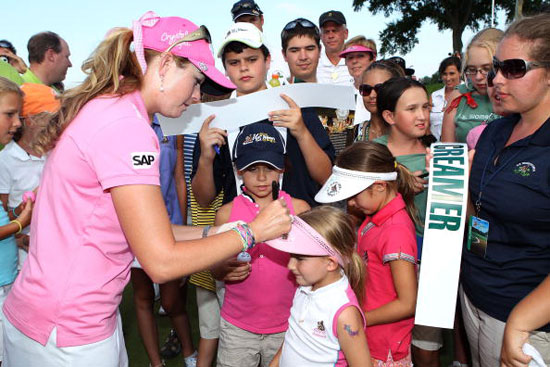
{"x": 470, "y": 104}
{"x": 100, "y": 203}
{"x": 509, "y": 190}
{"x": 371, "y": 81}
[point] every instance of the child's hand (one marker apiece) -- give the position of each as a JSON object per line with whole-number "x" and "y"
{"x": 272, "y": 222}
{"x": 236, "y": 270}
{"x": 23, "y": 242}
{"x": 209, "y": 137}
{"x": 419, "y": 182}
{"x": 291, "y": 118}
{"x": 26, "y": 214}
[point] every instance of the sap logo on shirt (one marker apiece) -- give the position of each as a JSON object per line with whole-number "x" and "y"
{"x": 143, "y": 160}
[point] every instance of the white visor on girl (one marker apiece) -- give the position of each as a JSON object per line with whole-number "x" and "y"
{"x": 344, "y": 183}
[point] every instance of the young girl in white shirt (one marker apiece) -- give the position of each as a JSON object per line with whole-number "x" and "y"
{"x": 326, "y": 322}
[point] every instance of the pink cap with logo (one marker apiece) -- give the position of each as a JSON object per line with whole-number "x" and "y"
{"x": 159, "y": 33}
{"x": 304, "y": 240}
{"x": 356, "y": 48}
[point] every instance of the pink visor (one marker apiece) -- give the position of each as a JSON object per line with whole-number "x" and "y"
{"x": 304, "y": 240}
{"x": 356, "y": 48}
{"x": 159, "y": 33}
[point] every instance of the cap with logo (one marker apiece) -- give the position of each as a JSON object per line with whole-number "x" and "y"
{"x": 259, "y": 143}
{"x": 246, "y": 33}
{"x": 344, "y": 183}
{"x": 245, "y": 7}
{"x": 163, "y": 34}
{"x": 332, "y": 16}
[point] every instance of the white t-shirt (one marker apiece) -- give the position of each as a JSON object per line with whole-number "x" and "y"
{"x": 338, "y": 74}
{"x": 19, "y": 172}
{"x": 312, "y": 335}
{"x": 436, "y": 114}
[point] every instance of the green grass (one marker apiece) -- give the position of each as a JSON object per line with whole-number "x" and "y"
{"x": 136, "y": 351}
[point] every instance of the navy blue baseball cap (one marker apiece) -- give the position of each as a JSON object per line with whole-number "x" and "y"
{"x": 259, "y": 142}
{"x": 245, "y": 7}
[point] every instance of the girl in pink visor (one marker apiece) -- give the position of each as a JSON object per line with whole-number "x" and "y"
{"x": 99, "y": 201}
{"x": 326, "y": 324}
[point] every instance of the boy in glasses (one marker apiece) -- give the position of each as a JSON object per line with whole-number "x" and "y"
{"x": 301, "y": 41}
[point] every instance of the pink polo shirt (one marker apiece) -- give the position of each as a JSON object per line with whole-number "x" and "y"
{"x": 79, "y": 260}
{"x": 260, "y": 303}
{"x": 388, "y": 235}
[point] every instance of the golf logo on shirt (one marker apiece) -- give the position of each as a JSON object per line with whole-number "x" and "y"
{"x": 334, "y": 188}
{"x": 525, "y": 169}
{"x": 320, "y": 330}
{"x": 143, "y": 160}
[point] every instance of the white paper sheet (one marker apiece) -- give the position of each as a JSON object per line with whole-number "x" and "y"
{"x": 236, "y": 112}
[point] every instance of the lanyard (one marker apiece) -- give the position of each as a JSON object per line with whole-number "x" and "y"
{"x": 484, "y": 183}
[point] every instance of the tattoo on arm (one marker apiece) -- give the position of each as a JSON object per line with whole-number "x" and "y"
{"x": 350, "y": 332}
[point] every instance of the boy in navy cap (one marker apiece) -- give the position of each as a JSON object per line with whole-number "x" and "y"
{"x": 248, "y": 11}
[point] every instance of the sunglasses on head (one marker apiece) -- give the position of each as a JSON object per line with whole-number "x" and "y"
{"x": 302, "y": 22}
{"x": 201, "y": 33}
{"x": 514, "y": 68}
{"x": 366, "y": 89}
{"x": 5, "y": 44}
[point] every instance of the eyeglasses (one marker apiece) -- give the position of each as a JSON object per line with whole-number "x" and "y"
{"x": 516, "y": 68}
{"x": 302, "y": 22}
{"x": 366, "y": 89}
{"x": 472, "y": 70}
{"x": 201, "y": 33}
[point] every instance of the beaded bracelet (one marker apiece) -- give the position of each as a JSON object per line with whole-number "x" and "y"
{"x": 19, "y": 224}
{"x": 246, "y": 234}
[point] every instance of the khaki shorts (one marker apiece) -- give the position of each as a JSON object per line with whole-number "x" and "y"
{"x": 241, "y": 348}
{"x": 427, "y": 337}
{"x": 209, "y": 304}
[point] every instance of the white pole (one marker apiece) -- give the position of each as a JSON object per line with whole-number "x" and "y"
{"x": 492, "y": 13}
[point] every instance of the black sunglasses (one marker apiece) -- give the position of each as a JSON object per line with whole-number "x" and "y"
{"x": 5, "y": 44}
{"x": 201, "y": 33}
{"x": 302, "y": 22}
{"x": 515, "y": 68}
{"x": 366, "y": 89}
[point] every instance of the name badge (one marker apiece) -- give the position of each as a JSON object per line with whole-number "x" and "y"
{"x": 478, "y": 233}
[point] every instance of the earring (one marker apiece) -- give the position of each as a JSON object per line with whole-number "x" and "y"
{"x": 161, "y": 85}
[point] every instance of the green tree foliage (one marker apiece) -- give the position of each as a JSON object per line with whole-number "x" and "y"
{"x": 401, "y": 35}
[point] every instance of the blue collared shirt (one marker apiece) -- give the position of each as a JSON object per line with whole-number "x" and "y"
{"x": 516, "y": 202}
{"x": 167, "y": 165}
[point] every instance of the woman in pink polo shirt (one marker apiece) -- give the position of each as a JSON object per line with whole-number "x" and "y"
{"x": 99, "y": 202}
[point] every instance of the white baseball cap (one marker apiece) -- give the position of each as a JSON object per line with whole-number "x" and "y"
{"x": 242, "y": 32}
{"x": 344, "y": 183}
